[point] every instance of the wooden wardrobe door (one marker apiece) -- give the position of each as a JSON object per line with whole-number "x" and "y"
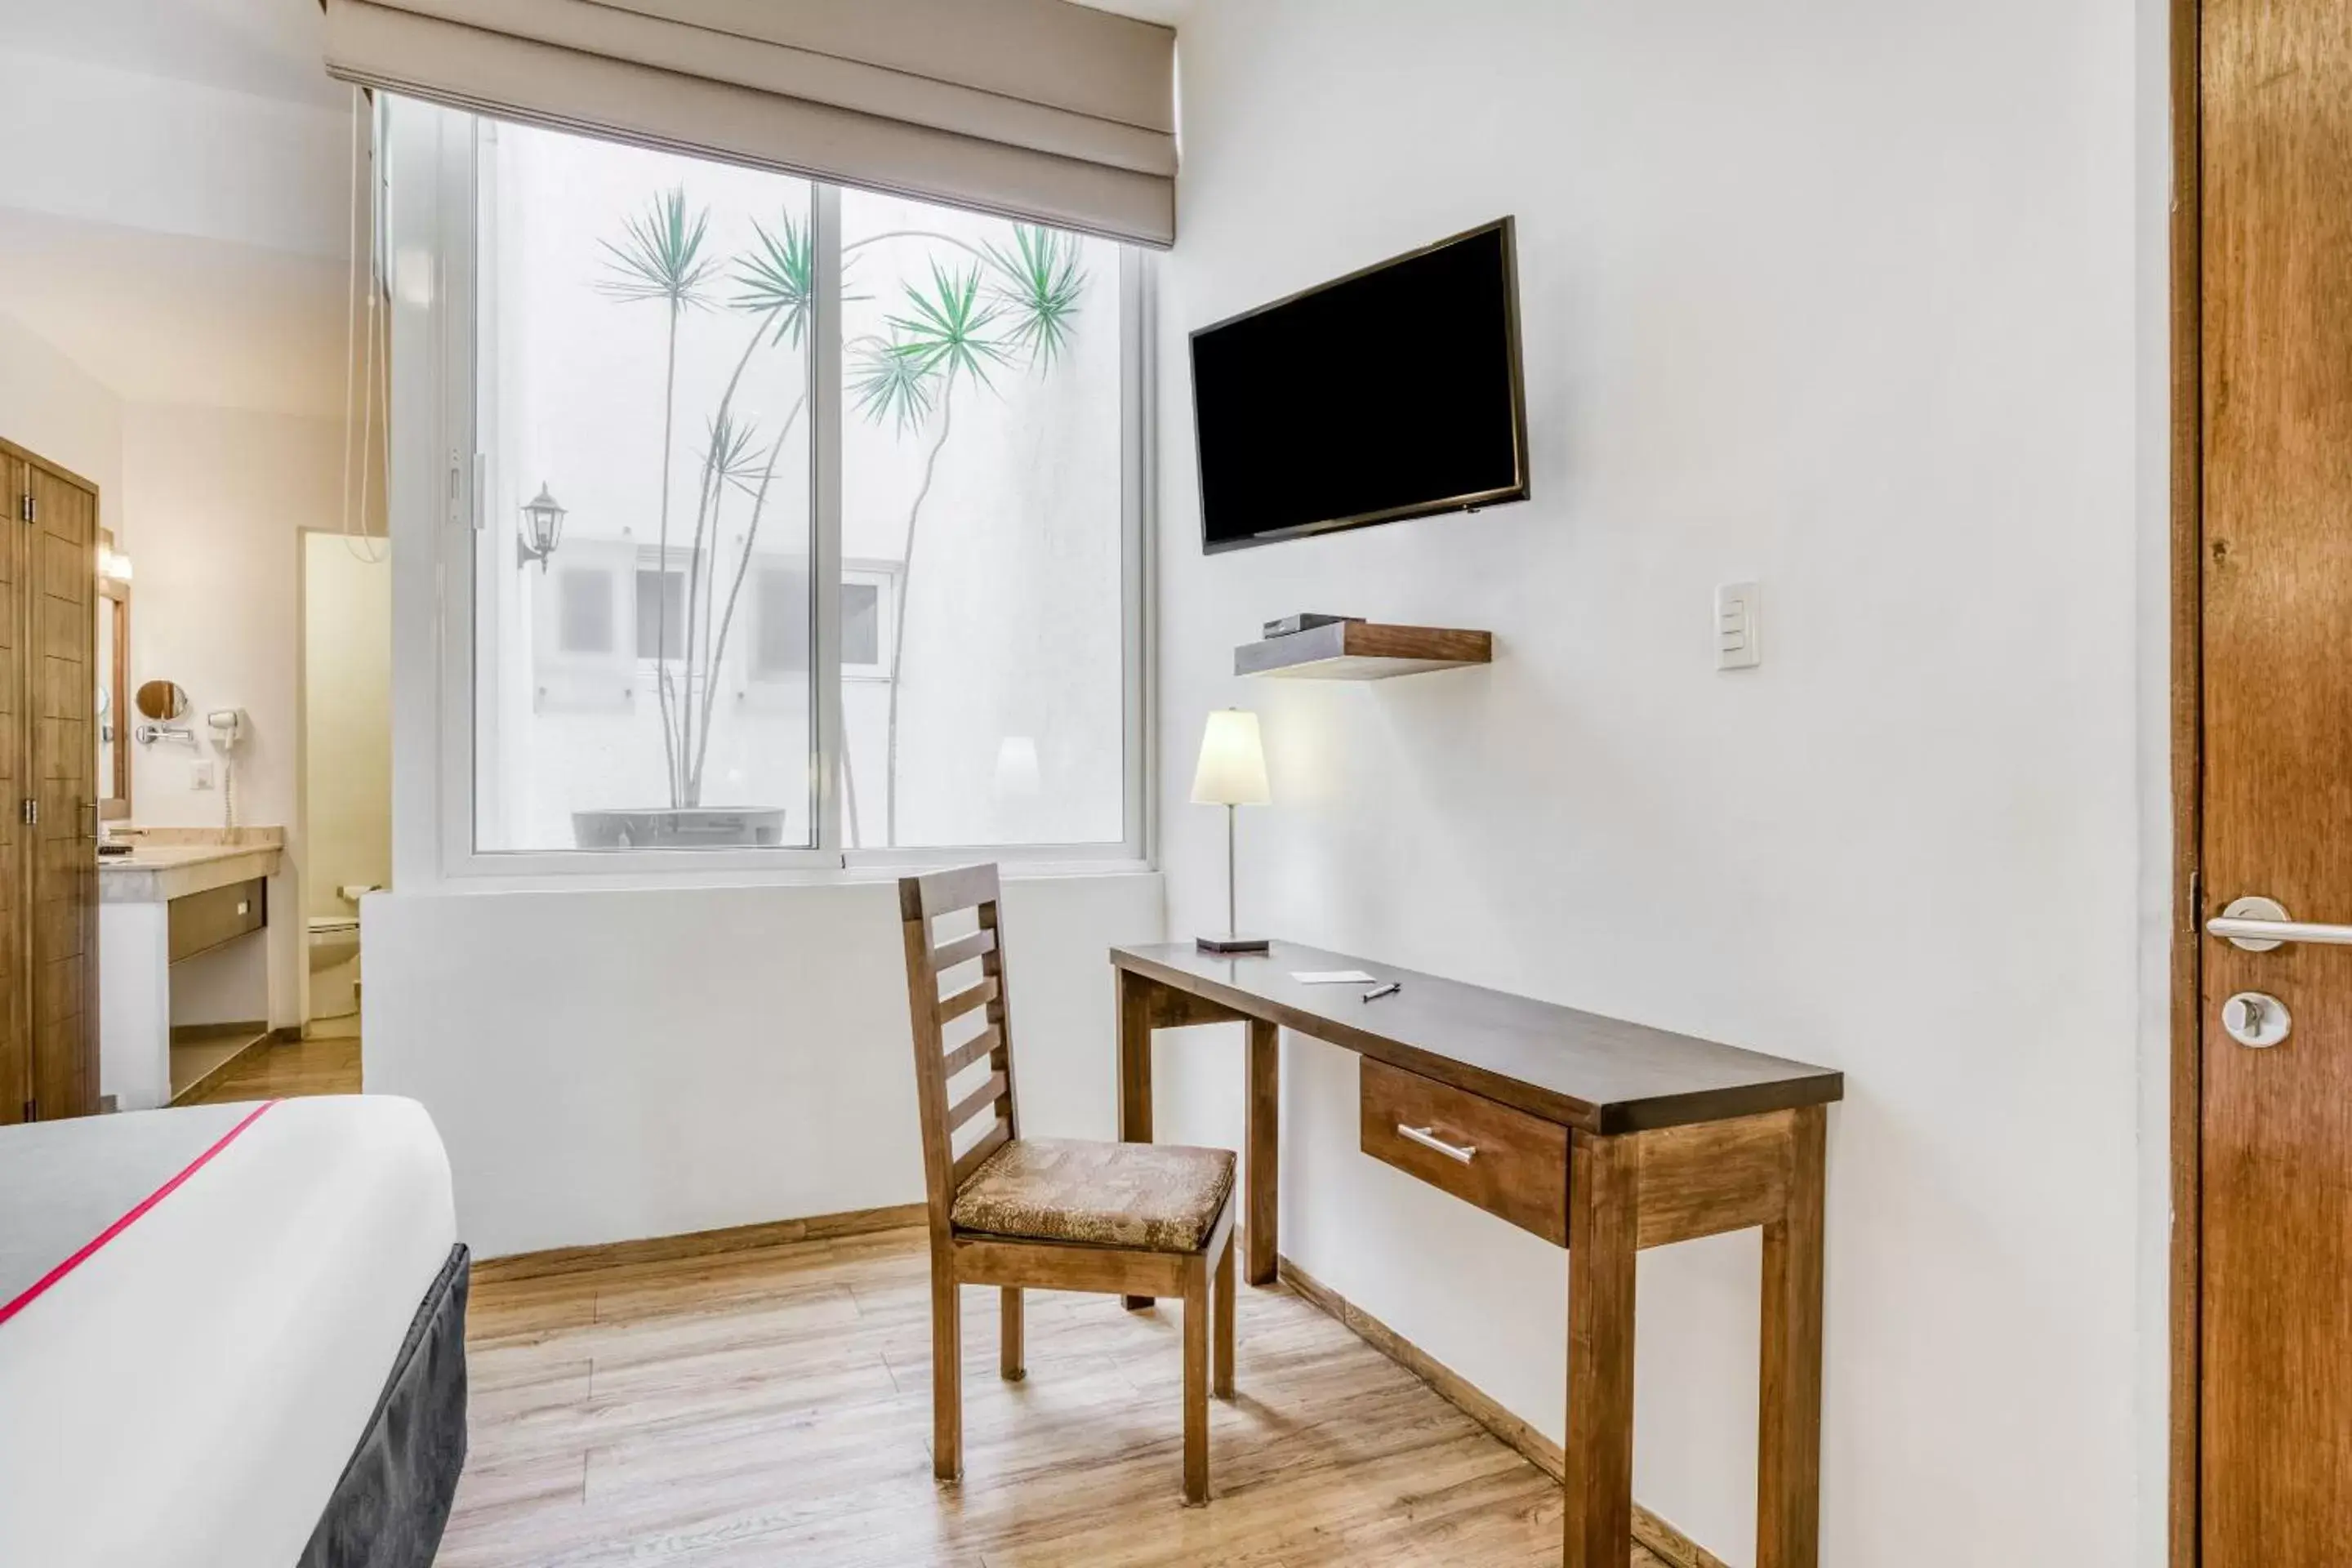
{"x": 15, "y": 883}
{"x": 64, "y": 602}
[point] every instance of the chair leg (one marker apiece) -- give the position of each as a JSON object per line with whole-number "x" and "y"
{"x": 947, "y": 1374}
{"x": 1010, "y": 1346}
{"x": 1196, "y": 1383}
{"x": 1224, "y": 1384}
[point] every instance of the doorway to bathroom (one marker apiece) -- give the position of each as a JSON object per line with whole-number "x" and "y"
{"x": 346, "y": 764}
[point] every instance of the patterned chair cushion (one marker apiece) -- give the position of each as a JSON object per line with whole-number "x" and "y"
{"x": 1155, "y": 1197}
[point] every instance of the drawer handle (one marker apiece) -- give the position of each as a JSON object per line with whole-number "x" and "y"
{"x": 1427, "y": 1138}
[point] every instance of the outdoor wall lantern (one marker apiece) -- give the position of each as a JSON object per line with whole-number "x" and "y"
{"x": 542, "y": 529}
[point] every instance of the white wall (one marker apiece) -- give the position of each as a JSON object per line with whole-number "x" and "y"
{"x": 1840, "y": 295}
{"x": 612, "y": 1064}
{"x": 50, "y": 405}
{"x": 215, "y": 498}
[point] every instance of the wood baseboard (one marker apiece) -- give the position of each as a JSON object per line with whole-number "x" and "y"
{"x": 1661, "y": 1538}
{"x": 697, "y": 1243}
{"x": 246, "y": 1038}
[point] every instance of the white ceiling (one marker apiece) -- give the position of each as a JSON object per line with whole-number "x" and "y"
{"x": 166, "y": 318}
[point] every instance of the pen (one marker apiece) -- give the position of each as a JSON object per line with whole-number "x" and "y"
{"x": 1391, "y": 989}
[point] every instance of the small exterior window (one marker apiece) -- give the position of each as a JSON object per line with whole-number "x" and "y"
{"x": 584, "y": 612}
{"x": 661, "y": 614}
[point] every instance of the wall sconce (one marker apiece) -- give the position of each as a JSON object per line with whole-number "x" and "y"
{"x": 113, "y": 565}
{"x": 542, "y": 529}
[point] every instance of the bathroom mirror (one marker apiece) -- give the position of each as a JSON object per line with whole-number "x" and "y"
{"x": 163, "y": 701}
{"x": 113, "y": 711}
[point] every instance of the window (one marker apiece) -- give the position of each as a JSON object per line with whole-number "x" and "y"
{"x": 780, "y": 646}
{"x": 869, "y": 602}
{"x": 661, "y": 613}
{"x": 585, "y": 615}
{"x": 851, "y": 552}
{"x": 861, "y": 627}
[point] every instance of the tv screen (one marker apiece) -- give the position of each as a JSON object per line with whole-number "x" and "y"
{"x": 1390, "y": 394}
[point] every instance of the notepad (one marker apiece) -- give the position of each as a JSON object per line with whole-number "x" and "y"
{"x": 1330, "y": 976}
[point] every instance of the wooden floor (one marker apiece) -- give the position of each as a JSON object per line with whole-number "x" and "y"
{"x": 773, "y": 1407}
{"x": 281, "y": 1071}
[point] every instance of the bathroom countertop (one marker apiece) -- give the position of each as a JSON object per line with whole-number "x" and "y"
{"x": 172, "y": 862}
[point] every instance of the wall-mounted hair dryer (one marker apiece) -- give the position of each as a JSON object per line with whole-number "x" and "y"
{"x": 228, "y": 727}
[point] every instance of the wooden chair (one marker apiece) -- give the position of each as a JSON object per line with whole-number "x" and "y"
{"x": 1050, "y": 1214}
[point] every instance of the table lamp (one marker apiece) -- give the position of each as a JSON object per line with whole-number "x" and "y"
{"x": 1232, "y": 773}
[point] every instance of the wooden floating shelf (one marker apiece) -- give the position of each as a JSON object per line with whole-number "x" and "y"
{"x": 1359, "y": 650}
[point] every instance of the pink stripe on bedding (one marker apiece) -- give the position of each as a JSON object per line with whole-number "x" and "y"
{"x": 32, "y": 1291}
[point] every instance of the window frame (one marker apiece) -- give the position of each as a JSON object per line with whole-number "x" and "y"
{"x": 882, "y": 576}
{"x": 428, "y": 256}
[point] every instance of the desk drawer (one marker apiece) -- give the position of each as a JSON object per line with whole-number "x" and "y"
{"x": 1517, "y": 1166}
{"x": 198, "y": 923}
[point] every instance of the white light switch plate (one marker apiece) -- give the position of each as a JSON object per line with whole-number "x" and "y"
{"x": 1738, "y": 626}
{"x": 200, "y": 775}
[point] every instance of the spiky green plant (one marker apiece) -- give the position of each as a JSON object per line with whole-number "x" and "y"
{"x": 891, "y": 384}
{"x": 949, "y": 331}
{"x": 776, "y": 279}
{"x": 658, "y": 258}
{"x": 1038, "y": 286}
{"x": 659, "y": 255}
{"x": 945, "y": 328}
{"x": 1012, "y": 302}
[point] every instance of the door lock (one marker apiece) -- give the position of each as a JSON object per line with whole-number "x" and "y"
{"x": 2253, "y": 1018}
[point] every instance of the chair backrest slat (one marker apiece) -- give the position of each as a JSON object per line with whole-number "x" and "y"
{"x": 984, "y": 1043}
{"x": 922, "y": 902}
{"x": 963, "y": 1002}
{"x": 989, "y": 1095}
{"x": 995, "y": 1137}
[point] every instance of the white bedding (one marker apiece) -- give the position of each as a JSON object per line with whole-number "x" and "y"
{"x": 187, "y": 1394}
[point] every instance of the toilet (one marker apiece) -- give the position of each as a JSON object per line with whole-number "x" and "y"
{"x": 334, "y": 959}
{"x": 334, "y": 939}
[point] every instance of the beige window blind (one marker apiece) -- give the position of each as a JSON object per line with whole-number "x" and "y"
{"x": 1040, "y": 109}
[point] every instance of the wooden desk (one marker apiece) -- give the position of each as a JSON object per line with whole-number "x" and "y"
{"x": 1601, "y": 1135}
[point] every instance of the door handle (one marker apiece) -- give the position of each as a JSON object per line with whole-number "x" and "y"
{"x": 1427, "y": 1138}
{"x": 2259, "y": 924}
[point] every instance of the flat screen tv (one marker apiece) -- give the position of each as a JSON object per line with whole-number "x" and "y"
{"x": 1391, "y": 392}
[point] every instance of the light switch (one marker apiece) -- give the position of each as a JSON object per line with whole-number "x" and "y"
{"x": 1738, "y": 626}
{"x": 200, "y": 775}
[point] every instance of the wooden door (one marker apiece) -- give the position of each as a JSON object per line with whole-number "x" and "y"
{"x": 49, "y": 792}
{"x": 63, "y": 531}
{"x": 2273, "y": 1336}
{"x": 15, "y": 839}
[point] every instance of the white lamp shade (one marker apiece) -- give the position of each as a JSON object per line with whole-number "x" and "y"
{"x": 1233, "y": 761}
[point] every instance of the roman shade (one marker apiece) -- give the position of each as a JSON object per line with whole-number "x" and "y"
{"x": 1040, "y": 109}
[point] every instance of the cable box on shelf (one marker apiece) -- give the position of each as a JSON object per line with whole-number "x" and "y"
{"x": 1305, "y": 621}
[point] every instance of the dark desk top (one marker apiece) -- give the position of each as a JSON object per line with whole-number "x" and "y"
{"x": 1576, "y": 1068}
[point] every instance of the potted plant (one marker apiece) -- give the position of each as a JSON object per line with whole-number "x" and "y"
{"x": 660, "y": 259}
{"x": 993, "y": 305}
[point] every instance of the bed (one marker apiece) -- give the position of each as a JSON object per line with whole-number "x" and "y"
{"x": 230, "y": 1337}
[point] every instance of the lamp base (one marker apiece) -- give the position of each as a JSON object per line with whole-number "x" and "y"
{"x": 1232, "y": 943}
